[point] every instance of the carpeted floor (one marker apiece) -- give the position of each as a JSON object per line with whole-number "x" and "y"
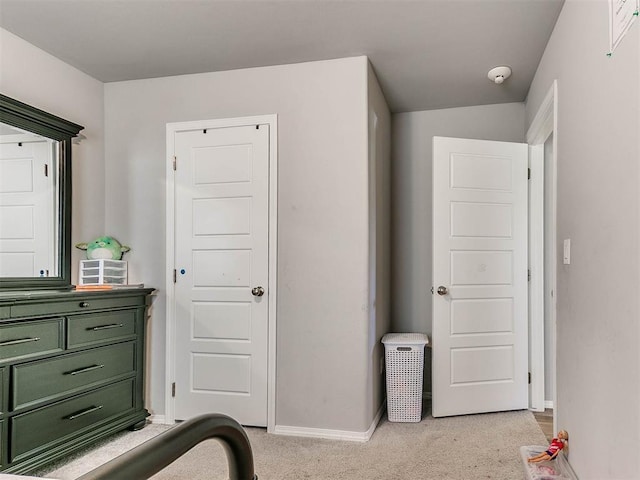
{"x": 469, "y": 447}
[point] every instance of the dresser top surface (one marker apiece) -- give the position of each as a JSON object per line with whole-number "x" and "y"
{"x": 13, "y": 297}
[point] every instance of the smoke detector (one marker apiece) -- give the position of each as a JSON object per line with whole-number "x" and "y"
{"x": 499, "y": 74}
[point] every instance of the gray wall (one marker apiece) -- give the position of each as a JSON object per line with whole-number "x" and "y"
{"x": 323, "y": 361}
{"x": 411, "y": 192}
{"x": 32, "y": 76}
{"x": 598, "y": 332}
{"x": 328, "y": 336}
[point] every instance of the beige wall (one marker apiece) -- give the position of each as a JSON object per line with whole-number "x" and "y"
{"x": 323, "y": 364}
{"x": 32, "y": 76}
{"x": 598, "y": 332}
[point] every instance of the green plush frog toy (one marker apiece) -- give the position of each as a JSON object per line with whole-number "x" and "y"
{"x": 104, "y": 248}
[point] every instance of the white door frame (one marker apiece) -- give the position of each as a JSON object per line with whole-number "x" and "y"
{"x": 170, "y": 376}
{"x": 544, "y": 124}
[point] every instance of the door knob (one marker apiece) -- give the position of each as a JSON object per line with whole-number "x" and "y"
{"x": 442, "y": 290}
{"x": 257, "y": 291}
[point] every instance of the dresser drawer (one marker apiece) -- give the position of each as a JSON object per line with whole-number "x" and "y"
{"x": 77, "y": 305}
{"x": 3, "y": 390}
{"x": 48, "y": 379}
{"x": 27, "y": 339}
{"x": 96, "y": 328}
{"x": 3, "y": 443}
{"x": 32, "y": 432}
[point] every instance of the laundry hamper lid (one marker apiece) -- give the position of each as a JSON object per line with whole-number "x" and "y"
{"x": 405, "y": 339}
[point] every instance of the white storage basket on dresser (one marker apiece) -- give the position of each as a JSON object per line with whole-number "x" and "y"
{"x": 404, "y": 353}
{"x": 103, "y": 272}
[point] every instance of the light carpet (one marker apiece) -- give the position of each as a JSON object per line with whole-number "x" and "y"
{"x": 468, "y": 447}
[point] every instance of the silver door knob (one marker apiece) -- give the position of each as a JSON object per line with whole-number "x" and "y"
{"x": 442, "y": 290}
{"x": 257, "y": 291}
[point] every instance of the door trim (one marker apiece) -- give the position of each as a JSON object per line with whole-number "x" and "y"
{"x": 536, "y": 278}
{"x": 170, "y": 374}
{"x": 543, "y": 125}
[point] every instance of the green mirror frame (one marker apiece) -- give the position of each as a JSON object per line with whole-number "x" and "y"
{"x": 26, "y": 117}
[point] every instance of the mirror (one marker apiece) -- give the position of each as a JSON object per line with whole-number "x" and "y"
{"x": 29, "y": 211}
{"x": 35, "y": 197}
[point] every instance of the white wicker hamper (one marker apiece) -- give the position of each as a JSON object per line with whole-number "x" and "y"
{"x": 404, "y": 354}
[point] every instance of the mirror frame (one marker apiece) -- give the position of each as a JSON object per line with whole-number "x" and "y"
{"x": 26, "y": 117}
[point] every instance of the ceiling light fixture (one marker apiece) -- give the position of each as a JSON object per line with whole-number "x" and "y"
{"x": 499, "y": 74}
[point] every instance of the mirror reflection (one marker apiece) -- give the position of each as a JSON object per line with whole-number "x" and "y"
{"x": 29, "y": 221}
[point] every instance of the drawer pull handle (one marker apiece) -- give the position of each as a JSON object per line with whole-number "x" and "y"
{"x": 81, "y": 413}
{"x": 85, "y": 370}
{"x": 106, "y": 327}
{"x": 19, "y": 341}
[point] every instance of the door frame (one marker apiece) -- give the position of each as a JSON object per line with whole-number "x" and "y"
{"x": 543, "y": 125}
{"x": 170, "y": 373}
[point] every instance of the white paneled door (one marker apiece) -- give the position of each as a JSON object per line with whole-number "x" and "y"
{"x": 222, "y": 290}
{"x": 27, "y": 196}
{"x": 480, "y": 324}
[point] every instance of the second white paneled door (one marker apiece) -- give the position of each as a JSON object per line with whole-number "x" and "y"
{"x": 480, "y": 319}
{"x": 222, "y": 272}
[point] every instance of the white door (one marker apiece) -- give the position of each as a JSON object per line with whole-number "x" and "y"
{"x": 221, "y": 290}
{"x": 27, "y": 205}
{"x": 479, "y": 276}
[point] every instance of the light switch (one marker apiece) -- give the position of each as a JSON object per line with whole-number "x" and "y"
{"x": 567, "y": 251}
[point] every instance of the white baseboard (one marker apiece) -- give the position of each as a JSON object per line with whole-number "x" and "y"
{"x": 160, "y": 419}
{"x": 548, "y": 404}
{"x": 332, "y": 434}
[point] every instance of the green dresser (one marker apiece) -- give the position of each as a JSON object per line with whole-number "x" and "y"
{"x": 71, "y": 371}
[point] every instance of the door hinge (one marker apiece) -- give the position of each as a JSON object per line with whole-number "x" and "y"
{"x": 528, "y": 275}
{"x": 529, "y": 379}
{"x": 175, "y": 161}
{"x": 46, "y": 170}
{"x": 175, "y": 276}
{"x": 173, "y": 389}
{"x": 528, "y": 174}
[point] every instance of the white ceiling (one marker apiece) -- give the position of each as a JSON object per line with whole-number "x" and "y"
{"x": 428, "y": 54}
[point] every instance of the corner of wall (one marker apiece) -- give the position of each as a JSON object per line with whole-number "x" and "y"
{"x": 379, "y": 244}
